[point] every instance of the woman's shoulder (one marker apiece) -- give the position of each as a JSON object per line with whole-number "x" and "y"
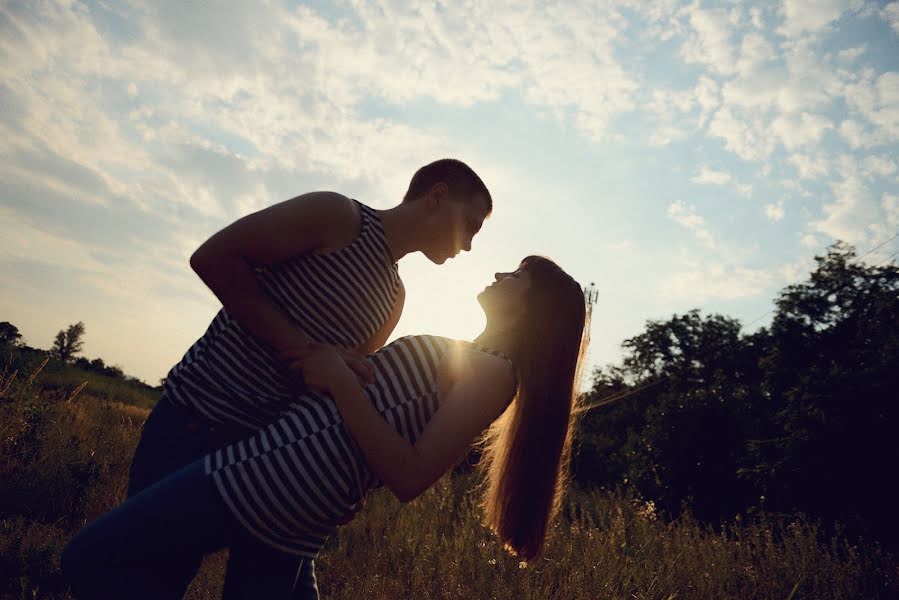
{"x": 467, "y": 361}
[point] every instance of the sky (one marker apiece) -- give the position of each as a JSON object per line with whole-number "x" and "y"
{"x": 677, "y": 155}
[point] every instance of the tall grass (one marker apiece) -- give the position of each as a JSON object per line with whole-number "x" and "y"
{"x": 65, "y": 451}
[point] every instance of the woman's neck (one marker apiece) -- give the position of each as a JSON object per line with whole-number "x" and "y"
{"x": 496, "y": 339}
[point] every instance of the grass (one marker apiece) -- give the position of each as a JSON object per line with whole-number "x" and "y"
{"x": 64, "y": 455}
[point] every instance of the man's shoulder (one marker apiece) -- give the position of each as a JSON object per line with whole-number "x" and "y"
{"x": 331, "y": 213}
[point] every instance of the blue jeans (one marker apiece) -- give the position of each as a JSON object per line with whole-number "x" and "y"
{"x": 150, "y": 546}
{"x": 173, "y": 437}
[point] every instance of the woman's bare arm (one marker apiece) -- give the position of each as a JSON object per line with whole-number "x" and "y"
{"x": 479, "y": 395}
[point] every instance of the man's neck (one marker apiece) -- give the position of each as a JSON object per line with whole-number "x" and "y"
{"x": 400, "y": 230}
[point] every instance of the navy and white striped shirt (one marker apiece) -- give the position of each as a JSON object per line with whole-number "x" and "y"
{"x": 296, "y": 480}
{"x": 341, "y": 298}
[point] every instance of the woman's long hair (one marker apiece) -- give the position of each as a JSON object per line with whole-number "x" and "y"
{"x": 525, "y": 453}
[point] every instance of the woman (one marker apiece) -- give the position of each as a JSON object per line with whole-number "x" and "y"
{"x": 290, "y": 485}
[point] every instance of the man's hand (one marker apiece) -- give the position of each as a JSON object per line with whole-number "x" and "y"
{"x": 315, "y": 363}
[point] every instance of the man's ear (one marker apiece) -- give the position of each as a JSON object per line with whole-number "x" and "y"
{"x": 439, "y": 193}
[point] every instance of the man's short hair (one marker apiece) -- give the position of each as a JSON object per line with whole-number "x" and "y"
{"x": 460, "y": 179}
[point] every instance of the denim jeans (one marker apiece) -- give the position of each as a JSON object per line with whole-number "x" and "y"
{"x": 150, "y": 546}
{"x": 173, "y": 437}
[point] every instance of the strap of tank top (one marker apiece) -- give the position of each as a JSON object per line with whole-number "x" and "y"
{"x": 373, "y": 231}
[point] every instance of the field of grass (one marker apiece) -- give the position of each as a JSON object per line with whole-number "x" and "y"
{"x": 64, "y": 455}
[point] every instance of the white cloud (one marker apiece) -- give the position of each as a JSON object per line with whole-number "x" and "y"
{"x": 810, "y": 241}
{"x": 774, "y": 212}
{"x": 851, "y": 216}
{"x": 710, "y": 40}
{"x": 850, "y": 54}
{"x": 716, "y": 281}
{"x": 809, "y": 167}
{"x": 708, "y": 96}
{"x": 876, "y": 98}
{"x": 878, "y": 166}
{"x": 890, "y": 14}
{"x": 890, "y": 204}
{"x": 809, "y": 16}
{"x": 710, "y": 176}
{"x": 756, "y": 18}
{"x": 560, "y": 57}
{"x": 743, "y": 135}
{"x": 795, "y": 131}
{"x": 755, "y": 52}
{"x": 687, "y": 217}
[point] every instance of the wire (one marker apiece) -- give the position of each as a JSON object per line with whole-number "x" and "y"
{"x": 640, "y": 388}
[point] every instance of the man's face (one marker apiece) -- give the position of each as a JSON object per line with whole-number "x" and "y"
{"x": 457, "y": 221}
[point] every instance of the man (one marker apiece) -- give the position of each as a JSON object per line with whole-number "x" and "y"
{"x": 317, "y": 268}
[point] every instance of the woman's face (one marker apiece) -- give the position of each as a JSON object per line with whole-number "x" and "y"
{"x": 507, "y": 294}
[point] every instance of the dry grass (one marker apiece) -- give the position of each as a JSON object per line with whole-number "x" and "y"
{"x": 64, "y": 457}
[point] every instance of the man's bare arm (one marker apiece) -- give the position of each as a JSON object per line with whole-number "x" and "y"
{"x": 227, "y": 261}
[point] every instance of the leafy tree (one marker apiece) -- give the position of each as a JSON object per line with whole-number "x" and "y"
{"x": 69, "y": 342}
{"x": 9, "y": 334}
{"x": 803, "y": 412}
{"x": 831, "y": 374}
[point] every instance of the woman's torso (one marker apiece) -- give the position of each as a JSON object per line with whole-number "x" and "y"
{"x": 342, "y": 298}
{"x": 295, "y": 481}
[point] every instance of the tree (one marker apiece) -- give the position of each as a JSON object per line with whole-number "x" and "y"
{"x": 68, "y": 343}
{"x": 831, "y": 371}
{"x": 9, "y": 334}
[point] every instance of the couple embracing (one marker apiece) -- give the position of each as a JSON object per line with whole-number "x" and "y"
{"x": 289, "y": 410}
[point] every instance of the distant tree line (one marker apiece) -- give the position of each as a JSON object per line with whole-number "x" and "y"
{"x": 800, "y": 416}
{"x": 66, "y": 344}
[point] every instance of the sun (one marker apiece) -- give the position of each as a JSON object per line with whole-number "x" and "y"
{"x": 442, "y": 300}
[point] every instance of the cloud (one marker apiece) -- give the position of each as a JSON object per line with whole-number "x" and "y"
{"x": 809, "y": 241}
{"x": 809, "y": 167}
{"x": 686, "y": 216}
{"x": 878, "y": 166}
{"x": 876, "y": 99}
{"x": 795, "y": 131}
{"x": 710, "y": 176}
{"x": 560, "y": 57}
{"x": 890, "y": 14}
{"x": 849, "y": 55}
{"x": 852, "y": 213}
{"x": 890, "y": 204}
{"x": 709, "y": 39}
{"x": 809, "y": 16}
{"x": 774, "y": 212}
{"x": 716, "y": 281}
{"x": 708, "y": 96}
{"x": 744, "y": 135}
{"x": 669, "y": 108}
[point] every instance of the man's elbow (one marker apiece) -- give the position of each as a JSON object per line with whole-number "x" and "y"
{"x": 198, "y": 262}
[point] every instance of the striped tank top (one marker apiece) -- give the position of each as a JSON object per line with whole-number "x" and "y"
{"x": 293, "y": 482}
{"x": 341, "y": 298}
